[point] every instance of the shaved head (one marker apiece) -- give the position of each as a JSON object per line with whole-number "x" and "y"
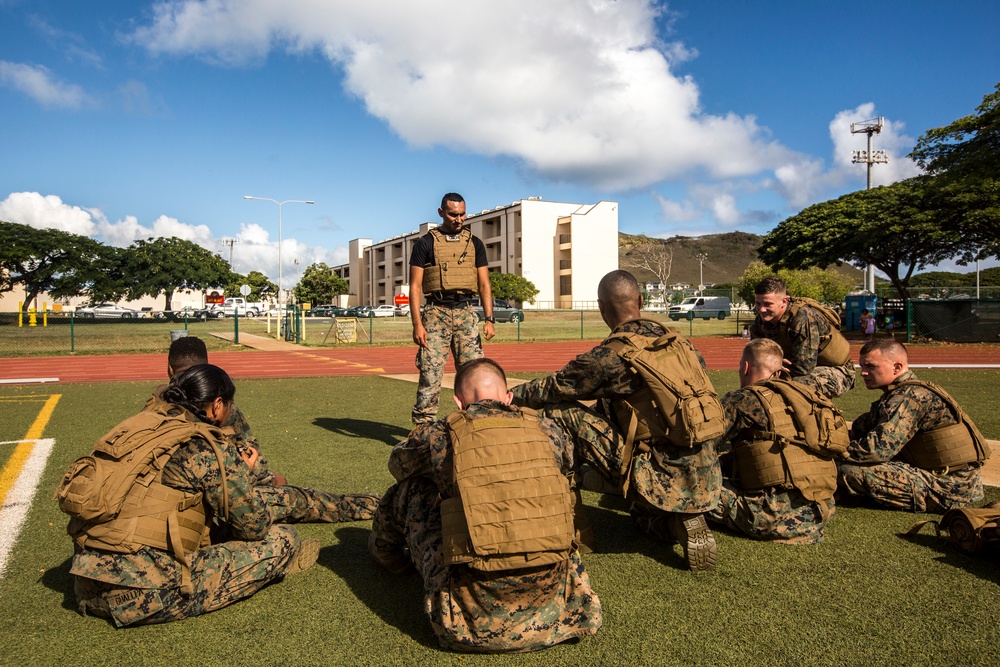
{"x": 761, "y": 360}
{"x": 888, "y": 347}
{"x": 478, "y": 380}
{"x": 619, "y": 298}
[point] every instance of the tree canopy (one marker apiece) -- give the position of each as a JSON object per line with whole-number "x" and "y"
{"x": 164, "y": 265}
{"x": 512, "y": 287}
{"x": 320, "y": 285}
{"x": 966, "y": 148}
{"x": 48, "y": 260}
{"x": 898, "y": 228}
{"x": 824, "y": 285}
{"x": 261, "y": 287}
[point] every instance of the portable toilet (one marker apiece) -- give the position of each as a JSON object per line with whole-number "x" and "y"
{"x": 855, "y": 303}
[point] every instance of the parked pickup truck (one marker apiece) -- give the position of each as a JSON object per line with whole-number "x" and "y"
{"x": 705, "y": 307}
{"x": 230, "y": 306}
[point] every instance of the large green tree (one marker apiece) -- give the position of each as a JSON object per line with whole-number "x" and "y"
{"x": 53, "y": 261}
{"x": 261, "y": 287}
{"x": 510, "y": 287}
{"x": 899, "y": 228}
{"x": 164, "y": 265}
{"x": 967, "y": 148}
{"x": 825, "y": 285}
{"x": 320, "y": 285}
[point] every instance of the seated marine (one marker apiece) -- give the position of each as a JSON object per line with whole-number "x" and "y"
{"x": 915, "y": 449}
{"x": 783, "y": 436}
{"x": 482, "y": 508}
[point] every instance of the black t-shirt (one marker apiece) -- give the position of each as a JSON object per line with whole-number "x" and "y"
{"x": 423, "y": 256}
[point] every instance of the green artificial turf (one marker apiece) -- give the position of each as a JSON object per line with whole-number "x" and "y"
{"x": 865, "y": 596}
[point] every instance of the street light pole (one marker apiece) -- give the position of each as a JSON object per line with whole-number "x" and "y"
{"x": 869, "y": 157}
{"x": 701, "y": 273}
{"x": 280, "y": 204}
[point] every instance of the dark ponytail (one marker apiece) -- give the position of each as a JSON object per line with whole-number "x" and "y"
{"x": 195, "y": 388}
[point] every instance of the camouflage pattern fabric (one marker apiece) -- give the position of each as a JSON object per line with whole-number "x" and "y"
{"x": 296, "y": 504}
{"x": 805, "y": 331}
{"x": 455, "y": 329}
{"x": 873, "y": 468}
{"x": 144, "y": 587}
{"x": 776, "y": 514}
{"x": 471, "y": 610}
{"x": 242, "y": 437}
{"x": 672, "y": 479}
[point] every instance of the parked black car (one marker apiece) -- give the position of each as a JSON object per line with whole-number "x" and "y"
{"x": 502, "y": 311}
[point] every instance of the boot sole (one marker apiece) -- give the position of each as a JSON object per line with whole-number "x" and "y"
{"x": 307, "y": 556}
{"x": 700, "y": 549}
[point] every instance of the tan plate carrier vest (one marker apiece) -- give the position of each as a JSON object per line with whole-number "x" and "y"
{"x": 805, "y": 431}
{"x": 834, "y": 350}
{"x": 514, "y": 508}
{"x": 116, "y": 501}
{"x": 454, "y": 265}
{"x": 945, "y": 447}
{"x": 678, "y": 405}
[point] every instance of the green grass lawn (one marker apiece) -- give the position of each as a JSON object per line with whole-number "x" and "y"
{"x": 865, "y": 596}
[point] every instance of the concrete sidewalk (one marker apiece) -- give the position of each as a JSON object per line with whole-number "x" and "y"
{"x": 265, "y": 343}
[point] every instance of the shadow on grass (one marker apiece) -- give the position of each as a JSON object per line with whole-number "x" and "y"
{"x": 397, "y": 600}
{"x": 615, "y": 533}
{"x": 59, "y": 579}
{"x": 387, "y": 433}
{"x": 982, "y": 564}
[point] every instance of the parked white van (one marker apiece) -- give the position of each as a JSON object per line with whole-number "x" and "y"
{"x": 705, "y": 307}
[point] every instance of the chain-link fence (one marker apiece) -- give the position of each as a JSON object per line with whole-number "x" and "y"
{"x": 955, "y": 320}
{"x": 51, "y": 334}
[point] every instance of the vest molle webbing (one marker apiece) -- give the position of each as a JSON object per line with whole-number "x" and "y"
{"x": 946, "y": 446}
{"x": 805, "y": 432}
{"x": 514, "y": 508}
{"x": 454, "y": 267}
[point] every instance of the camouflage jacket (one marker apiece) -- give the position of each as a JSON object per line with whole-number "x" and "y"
{"x": 901, "y": 412}
{"x": 805, "y": 331}
{"x": 193, "y": 468}
{"x": 597, "y": 374}
{"x": 428, "y": 451}
{"x": 242, "y": 436}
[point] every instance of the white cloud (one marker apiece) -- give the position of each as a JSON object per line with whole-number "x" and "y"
{"x": 36, "y": 82}
{"x": 580, "y": 91}
{"x": 254, "y": 251}
{"x": 674, "y": 211}
{"x": 891, "y": 139}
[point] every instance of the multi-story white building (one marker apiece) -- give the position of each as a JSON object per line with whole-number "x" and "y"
{"x": 563, "y": 249}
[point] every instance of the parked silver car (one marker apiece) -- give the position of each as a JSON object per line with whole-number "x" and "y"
{"x": 106, "y": 310}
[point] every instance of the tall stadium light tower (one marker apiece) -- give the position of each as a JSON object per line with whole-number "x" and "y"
{"x": 870, "y": 157}
{"x": 230, "y": 241}
{"x": 281, "y": 302}
{"x": 701, "y": 272}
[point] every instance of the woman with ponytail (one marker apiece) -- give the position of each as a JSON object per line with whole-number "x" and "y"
{"x": 194, "y": 540}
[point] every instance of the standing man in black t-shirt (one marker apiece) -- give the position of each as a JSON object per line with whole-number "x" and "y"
{"x": 448, "y": 266}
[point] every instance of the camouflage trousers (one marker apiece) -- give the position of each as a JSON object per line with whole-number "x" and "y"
{"x": 901, "y": 486}
{"x": 775, "y": 514}
{"x": 221, "y": 575}
{"x": 455, "y": 329}
{"x": 295, "y": 504}
{"x": 474, "y": 611}
{"x": 671, "y": 479}
{"x": 831, "y": 381}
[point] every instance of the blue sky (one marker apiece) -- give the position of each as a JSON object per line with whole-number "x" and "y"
{"x": 128, "y": 120}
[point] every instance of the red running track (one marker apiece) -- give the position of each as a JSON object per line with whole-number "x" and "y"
{"x": 719, "y": 353}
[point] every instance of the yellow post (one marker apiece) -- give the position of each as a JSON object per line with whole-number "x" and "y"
{"x": 45, "y": 314}
{"x": 20, "y": 313}
{"x": 32, "y": 318}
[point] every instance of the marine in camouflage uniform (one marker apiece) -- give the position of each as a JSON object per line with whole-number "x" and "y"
{"x": 800, "y": 337}
{"x": 473, "y": 610}
{"x": 874, "y": 468}
{"x": 447, "y": 321}
{"x": 776, "y": 513}
{"x": 670, "y": 486}
{"x": 145, "y": 587}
